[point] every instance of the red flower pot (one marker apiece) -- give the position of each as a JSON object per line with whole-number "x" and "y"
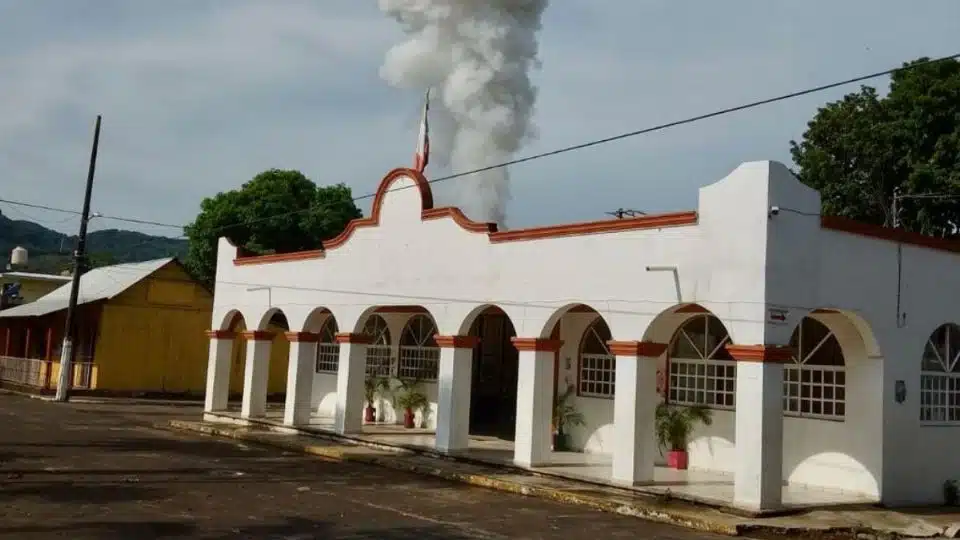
{"x": 370, "y": 414}
{"x": 408, "y": 418}
{"x": 677, "y": 459}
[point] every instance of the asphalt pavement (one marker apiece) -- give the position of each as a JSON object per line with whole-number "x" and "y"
{"x": 102, "y": 471}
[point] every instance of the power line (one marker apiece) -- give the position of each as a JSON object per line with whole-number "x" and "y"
{"x": 95, "y": 214}
{"x": 563, "y": 150}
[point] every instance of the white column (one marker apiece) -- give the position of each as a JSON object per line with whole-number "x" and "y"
{"x": 218, "y": 370}
{"x": 300, "y": 369}
{"x": 758, "y": 472}
{"x": 534, "y": 401}
{"x": 351, "y": 372}
{"x": 634, "y": 411}
{"x": 256, "y": 374}
{"x": 453, "y": 392}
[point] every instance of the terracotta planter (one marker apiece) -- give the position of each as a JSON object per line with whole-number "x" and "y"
{"x": 370, "y": 414}
{"x": 408, "y": 418}
{"x": 677, "y": 459}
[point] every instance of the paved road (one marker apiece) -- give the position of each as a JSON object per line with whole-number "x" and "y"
{"x": 85, "y": 471}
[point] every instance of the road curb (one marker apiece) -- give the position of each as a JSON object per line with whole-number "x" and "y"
{"x": 673, "y": 516}
{"x": 652, "y": 510}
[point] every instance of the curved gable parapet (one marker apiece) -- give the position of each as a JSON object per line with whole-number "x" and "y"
{"x": 428, "y": 212}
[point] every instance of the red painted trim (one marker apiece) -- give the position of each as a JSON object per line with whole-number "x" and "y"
{"x": 675, "y": 219}
{"x": 428, "y": 212}
{"x": 648, "y": 349}
{"x": 221, "y": 334}
{"x": 257, "y": 335}
{"x": 346, "y": 337}
{"x": 692, "y": 308}
{"x": 305, "y": 337}
{"x": 536, "y": 344}
{"x": 851, "y": 226}
{"x": 401, "y": 309}
{"x": 456, "y": 342}
{"x": 761, "y": 353}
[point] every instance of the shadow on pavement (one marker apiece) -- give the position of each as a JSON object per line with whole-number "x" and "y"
{"x": 60, "y": 492}
{"x": 288, "y": 528}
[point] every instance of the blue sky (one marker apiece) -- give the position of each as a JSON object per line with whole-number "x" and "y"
{"x": 200, "y": 95}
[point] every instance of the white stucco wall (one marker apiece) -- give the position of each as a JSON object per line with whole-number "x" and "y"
{"x": 737, "y": 261}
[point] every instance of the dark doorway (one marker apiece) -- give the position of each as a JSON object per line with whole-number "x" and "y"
{"x": 493, "y": 393}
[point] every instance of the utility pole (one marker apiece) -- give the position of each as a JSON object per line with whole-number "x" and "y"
{"x": 620, "y": 213}
{"x": 79, "y": 256}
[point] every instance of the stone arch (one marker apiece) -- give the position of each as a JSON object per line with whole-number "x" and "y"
{"x": 833, "y": 436}
{"x": 316, "y": 319}
{"x": 471, "y": 317}
{"x": 275, "y": 317}
{"x": 665, "y": 324}
{"x": 231, "y": 319}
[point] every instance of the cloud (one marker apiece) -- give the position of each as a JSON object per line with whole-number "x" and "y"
{"x": 200, "y": 95}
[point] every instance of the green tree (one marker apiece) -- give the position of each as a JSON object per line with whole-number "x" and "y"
{"x": 858, "y": 150}
{"x": 279, "y": 211}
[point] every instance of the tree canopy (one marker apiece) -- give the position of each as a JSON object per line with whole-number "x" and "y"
{"x": 857, "y": 151}
{"x": 278, "y": 211}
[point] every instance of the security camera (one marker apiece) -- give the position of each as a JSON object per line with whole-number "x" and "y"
{"x": 774, "y": 210}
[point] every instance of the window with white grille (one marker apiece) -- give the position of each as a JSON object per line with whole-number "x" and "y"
{"x": 328, "y": 350}
{"x": 940, "y": 377}
{"x": 598, "y": 368}
{"x": 379, "y": 351}
{"x": 419, "y": 355}
{"x": 701, "y": 371}
{"x": 814, "y": 384}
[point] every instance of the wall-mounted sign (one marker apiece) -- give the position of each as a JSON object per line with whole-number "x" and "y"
{"x": 900, "y": 391}
{"x": 777, "y": 315}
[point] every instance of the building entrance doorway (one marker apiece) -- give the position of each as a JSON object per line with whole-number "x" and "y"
{"x": 493, "y": 393}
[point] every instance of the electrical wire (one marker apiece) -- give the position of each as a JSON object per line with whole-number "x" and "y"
{"x": 542, "y": 155}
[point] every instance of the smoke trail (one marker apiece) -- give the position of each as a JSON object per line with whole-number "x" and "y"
{"x": 477, "y": 56}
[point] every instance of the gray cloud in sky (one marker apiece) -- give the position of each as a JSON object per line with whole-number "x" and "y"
{"x": 200, "y": 95}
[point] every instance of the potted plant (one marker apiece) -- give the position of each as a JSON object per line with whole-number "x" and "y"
{"x": 565, "y": 416}
{"x": 411, "y": 399}
{"x": 369, "y": 392}
{"x": 674, "y": 426}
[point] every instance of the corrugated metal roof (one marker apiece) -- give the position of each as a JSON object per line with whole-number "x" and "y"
{"x": 98, "y": 284}
{"x": 33, "y": 275}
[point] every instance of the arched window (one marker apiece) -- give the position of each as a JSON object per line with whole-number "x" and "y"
{"x": 814, "y": 384}
{"x": 379, "y": 352}
{"x": 328, "y": 350}
{"x": 940, "y": 376}
{"x": 701, "y": 371}
{"x": 419, "y": 354}
{"x": 597, "y": 367}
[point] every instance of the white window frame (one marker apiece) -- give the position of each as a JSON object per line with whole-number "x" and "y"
{"x": 419, "y": 355}
{"x": 596, "y": 369}
{"x": 328, "y": 350}
{"x": 380, "y": 361}
{"x": 825, "y": 385}
{"x": 703, "y": 381}
{"x": 940, "y": 386}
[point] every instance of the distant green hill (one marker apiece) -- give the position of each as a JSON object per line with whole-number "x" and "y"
{"x": 50, "y": 250}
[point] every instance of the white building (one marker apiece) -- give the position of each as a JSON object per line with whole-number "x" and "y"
{"x": 828, "y": 349}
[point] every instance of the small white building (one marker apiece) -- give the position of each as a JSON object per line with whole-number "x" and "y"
{"x": 828, "y": 349}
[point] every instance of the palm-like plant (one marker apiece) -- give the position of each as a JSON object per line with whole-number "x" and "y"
{"x": 675, "y": 424}
{"x": 564, "y": 413}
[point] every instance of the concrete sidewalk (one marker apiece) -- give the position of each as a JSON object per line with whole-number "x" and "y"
{"x": 863, "y": 524}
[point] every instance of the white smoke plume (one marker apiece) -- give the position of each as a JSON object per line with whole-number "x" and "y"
{"x": 476, "y": 56}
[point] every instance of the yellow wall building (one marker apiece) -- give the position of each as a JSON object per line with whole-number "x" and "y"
{"x": 32, "y": 285}
{"x": 141, "y": 330}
